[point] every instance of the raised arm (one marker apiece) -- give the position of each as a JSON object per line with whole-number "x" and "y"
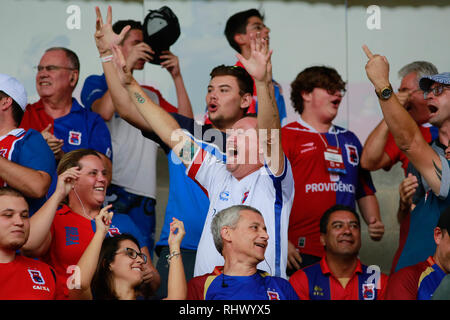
{"x": 404, "y": 129}
{"x": 374, "y": 156}
{"x": 40, "y": 223}
{"x": 176, "y": 283}
{"x": 259, "y": 67}
{"x": 162, "y": 123}
{"x": 89, "y": 260}
{"x": 172, "y": 65}
{"x": 105, "y": 38}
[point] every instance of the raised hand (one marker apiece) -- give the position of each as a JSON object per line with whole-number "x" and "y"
{"x": 377, "y": 69}
{"x": 170, "y": 63}
{"x": 375, "y": 229}
{"x": 103, "y": 219}
{"x": 176, "y": 233}
{"x": 54, "y": 143}
{"x": 140, "y": 51}
{"x": 258, "y": 65}
{"x": 407, "y": 188}
{"x": 104, "y": 35}
{"x": 123, "y": 72}
{"x": 66, "y": 181}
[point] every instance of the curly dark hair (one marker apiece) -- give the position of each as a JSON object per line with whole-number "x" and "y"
{"x": 314, "y": 77}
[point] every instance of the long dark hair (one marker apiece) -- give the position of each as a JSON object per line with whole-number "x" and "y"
{"x": 102, "y": 282}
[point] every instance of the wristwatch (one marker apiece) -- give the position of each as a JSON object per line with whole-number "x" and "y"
{"x": 385, "y": 93}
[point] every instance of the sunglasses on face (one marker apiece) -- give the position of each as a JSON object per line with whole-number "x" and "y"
{"x": 333, "y": 92}
{"x": 437, "y": 91}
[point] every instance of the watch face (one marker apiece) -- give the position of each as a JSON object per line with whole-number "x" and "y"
{"x": 386, "y": 93}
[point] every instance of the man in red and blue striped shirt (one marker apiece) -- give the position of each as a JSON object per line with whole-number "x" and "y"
{"x": 339, "y": 275}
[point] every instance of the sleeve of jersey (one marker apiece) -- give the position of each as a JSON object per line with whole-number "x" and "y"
{"x": 35, "y": 153}
{"x": 100, "y": 138}
{"x": 392, "y": 151}
{"x": 299, "y": 281}
{"x": 204, "y": 169}
{"x": 93, "y": 89}
{"x": 196, "y": 288}
{"x": 402, "y": 285}
{"x": 445, "y": 181}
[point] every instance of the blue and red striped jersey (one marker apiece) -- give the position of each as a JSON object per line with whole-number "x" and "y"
{"x": 317, "y": 282}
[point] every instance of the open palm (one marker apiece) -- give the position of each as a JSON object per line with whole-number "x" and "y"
{"x": 258, "y": 65}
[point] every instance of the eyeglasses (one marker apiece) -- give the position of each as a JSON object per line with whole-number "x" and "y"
{"x": 333, "y": 92}
{"x": 51, "y": 68}
{"x": 437, "y": 91}
{"x": 133, "y": 254}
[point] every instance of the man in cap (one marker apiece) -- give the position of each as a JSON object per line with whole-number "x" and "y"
{"x": 431, "y": 161}
{"x": 420, "y": 281}
{"x": 26, "y": 161}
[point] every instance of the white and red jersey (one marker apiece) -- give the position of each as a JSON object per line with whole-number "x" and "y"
{"x": 271, "y": 195}
{"x": 316, "y": 189}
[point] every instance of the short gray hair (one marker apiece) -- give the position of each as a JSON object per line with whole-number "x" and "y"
{"x": 228, "y": 217}
{"x": 421, "y": 68}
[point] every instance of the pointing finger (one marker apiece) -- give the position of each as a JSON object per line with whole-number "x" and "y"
{"x": 367, "y": 52}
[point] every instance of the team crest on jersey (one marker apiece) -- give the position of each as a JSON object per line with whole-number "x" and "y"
{"x": 224, "y": 195}
{"x": 368, "y": 291}
{"x": 352, "y": 154}
{"x": 3, "y": 152}
{"x": 36, "y": 276}
{"x": 273, "y": 295}
{"x": 74, "y": 138}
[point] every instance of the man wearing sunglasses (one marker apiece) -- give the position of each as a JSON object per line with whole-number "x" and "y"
{"x": 431, "y": 161}
{"x": 63, "y": 122}
{"x": 381, "y": 151}
{"x": 325, "y": 164}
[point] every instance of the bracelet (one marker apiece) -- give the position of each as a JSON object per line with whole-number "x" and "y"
{"x": 173, "y": 254}
{"x": 106, "y": 58}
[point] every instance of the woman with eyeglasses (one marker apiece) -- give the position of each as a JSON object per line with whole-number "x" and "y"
{"x": 111, "y": 268}
{"x": 61, "y": 233}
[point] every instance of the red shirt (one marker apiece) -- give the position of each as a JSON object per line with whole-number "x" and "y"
{"x": 404, "y": 284}
{"x": 26, "y": 279}
{"x": 71, "y": 234}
